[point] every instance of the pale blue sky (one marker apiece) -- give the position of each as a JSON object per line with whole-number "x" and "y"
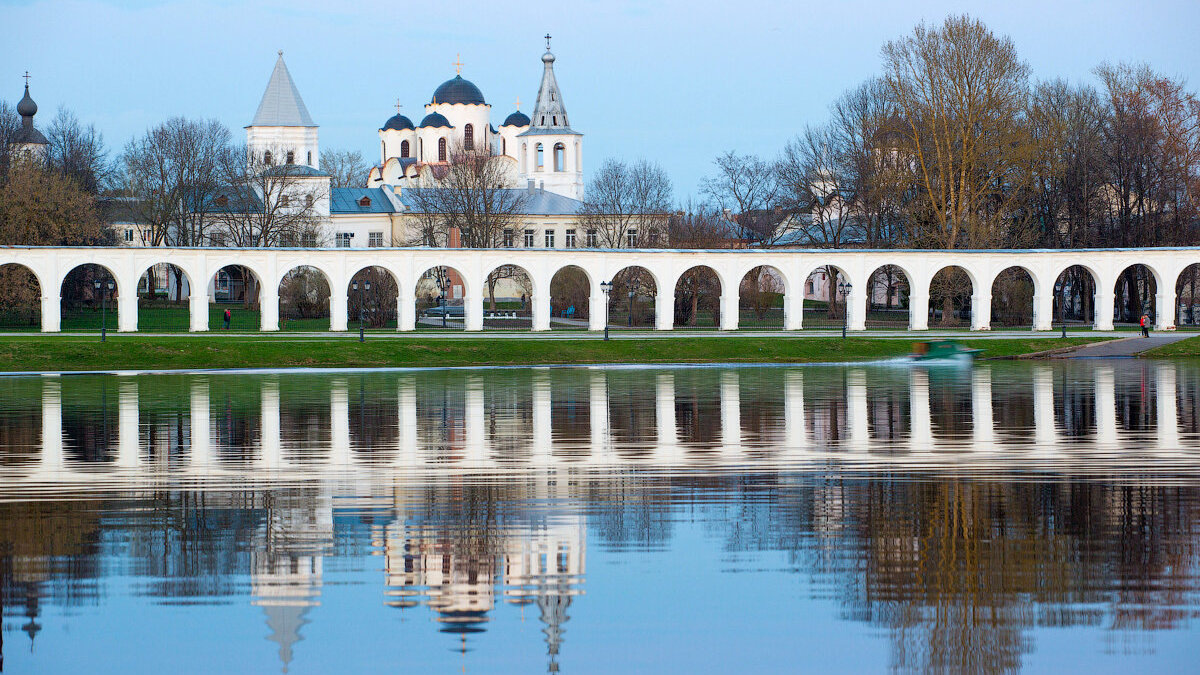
{"x": 676, "y": 82}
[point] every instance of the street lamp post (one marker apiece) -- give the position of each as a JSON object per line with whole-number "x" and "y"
{"x": 443, "y": 283}
{"x": 844, "y": 289}
{"x": 104, "y": 288}
{"x": 606, "y": 286}
{"x": 362, "y": 307}
{"x": 1061, "y": 290}
{"x": 631, "y": 294}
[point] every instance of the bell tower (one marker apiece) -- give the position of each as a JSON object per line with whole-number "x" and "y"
{"x": 551, "y": 150}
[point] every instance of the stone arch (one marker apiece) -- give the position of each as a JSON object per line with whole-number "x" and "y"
{"x": 762, "y": 292}
{"x": 641, "y": 310}
{"x": 1013, "y": 293}
{"x": 570, "y": 297}
{"x": 305, "y": 292}
{"x": 163, "y": 293}
{"x": 20, "y": 297}
{"x": 1135, "y": 293}
{"x": 820, "y": 290}
{"x": 887, "y": 297}
{"x": 951, "y": 289}
{"x": 1187, "y": 297}
{"x": 1074, "y": 289}
{"x": 440, "y": 294}
{"x": 698, "y": 289}
{"x": 509, "y": 291}
{"x": 82, "y": 306}
{"x": 372, "y": 296}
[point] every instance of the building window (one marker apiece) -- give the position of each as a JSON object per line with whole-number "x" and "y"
{"x": 528, "y": 238}
{"x": 442, "y": 149}
{"x": 540, "y": 162}
{"x": 549, "y": 238}
{"x": 309, "y": 162}
{"x": 283, "y": 200}
{"x": 469, "y": 137}
{"x": 570, "y": 239}
{"x": 404, "y": 148}
{"x": 504, "y": 146}
{"x": 217, "y": 239}
{"x": 308, "y": 240}
{"x": 375, "y": 240}
{"x": 553, "y": 119}
{"x": 560, "y": 153}
{"x": 631, "y": 238}
{"x": 267, "y": 157}
{"x": 129, "y": 235}
{"x": 308, "y": 201}
{"x": 591, "y": 239}
{"x": 364, "y": 202}
{"x": 291, "y": 157}
{"x": 343, "y": 239}
{"x": 508, "y": 238}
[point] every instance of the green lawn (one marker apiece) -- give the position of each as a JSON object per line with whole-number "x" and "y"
{"x": 1184, "y": 349}
{"x": 46, "y": 352}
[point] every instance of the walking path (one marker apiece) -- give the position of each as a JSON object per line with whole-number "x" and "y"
{"x": 618, "y": 333}
{"x": 1130, "y": 346}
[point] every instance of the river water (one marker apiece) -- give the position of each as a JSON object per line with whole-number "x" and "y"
{"x": 1001, "y": 517}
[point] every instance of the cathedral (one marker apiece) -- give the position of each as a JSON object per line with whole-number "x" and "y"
{"x": 542, "y": 148}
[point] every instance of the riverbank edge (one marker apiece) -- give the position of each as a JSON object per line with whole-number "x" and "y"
{"x": 55, "y": 354}
{"x": 1184, "y": 349}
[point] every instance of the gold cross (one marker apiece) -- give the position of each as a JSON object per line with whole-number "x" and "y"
{"x": 458, "y": 64}
{"x": 398, "y": 106}
{"x": 518, "y": 103}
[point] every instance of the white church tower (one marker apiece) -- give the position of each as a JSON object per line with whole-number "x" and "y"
{"x": 282, "y": 131}
{"x": 551, "y": 152}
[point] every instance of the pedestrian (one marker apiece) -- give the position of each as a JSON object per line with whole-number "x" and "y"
{"x": 228, "y": 316}
{"x": 1145, "y": 326}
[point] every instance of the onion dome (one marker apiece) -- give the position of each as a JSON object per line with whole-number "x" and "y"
{"x": 26, "y": 107}
{"x": 397, "y": 122}
{"x": 517, "y": 119}
{"x": 435, "y": 120}
{"x": 458, "y": 90}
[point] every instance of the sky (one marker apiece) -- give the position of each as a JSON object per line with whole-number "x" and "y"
{"x": 675, "y": 82}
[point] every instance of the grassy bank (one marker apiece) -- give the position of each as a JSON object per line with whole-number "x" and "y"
{"x": 46, "y": 353}
{"x": 1183, "y": 349}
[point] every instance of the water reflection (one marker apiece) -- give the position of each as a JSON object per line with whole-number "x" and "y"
{"x": 961, "y": 514}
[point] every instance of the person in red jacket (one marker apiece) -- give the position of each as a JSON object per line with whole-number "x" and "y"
{"x": 1145, "y": 326}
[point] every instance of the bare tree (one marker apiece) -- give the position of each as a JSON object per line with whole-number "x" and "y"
{"x": 869, "y": 141}
{"x": 961, "y": 91}
{"x": 78, "y": 151}
{"x": 746, "y": 188}
{"x": 474, "y": 201}
{"x": 259, "y": 203}
{"x": 623, "y": 198}
{"x": 10, "y": 124}
{"x": 346, "y": 168}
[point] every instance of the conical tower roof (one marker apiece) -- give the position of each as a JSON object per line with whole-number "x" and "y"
{"x": 549, "y": 113}
{"x": 281, "y": 105}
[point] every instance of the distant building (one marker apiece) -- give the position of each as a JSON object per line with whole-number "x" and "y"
{"x": 28, "y": 142}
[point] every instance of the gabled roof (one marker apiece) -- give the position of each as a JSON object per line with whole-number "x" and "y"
{"x": 281, "y": 105}
{"x": 349, "y": 201}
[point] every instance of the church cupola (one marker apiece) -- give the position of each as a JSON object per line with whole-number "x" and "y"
{"x": 28, "y": 140}
{"x": 551, "y": 153}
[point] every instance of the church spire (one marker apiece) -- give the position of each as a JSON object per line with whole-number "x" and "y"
{"x": 548, "y": 111}
{"x": 281, "y": 105}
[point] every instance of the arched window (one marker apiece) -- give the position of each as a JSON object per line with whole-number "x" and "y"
{"x": 404, "y": 148}
{"x": 540, "y": 162}
{"x": 291, "y": 157}
{"x": 267, "y": 158}
{"x": 524, "y": 156}
{"x": 469, "y": 137}
{"x": 382, "y": 152}
{"x": 504, "y": 146}
{"x": 308, "y": 200}
{"x": 578, "y": 159}
{"x": 560, "y": 155}
{"x": 442, "y": 149}
{"x": 309, "y": 162}
{"x": 421, "y": 148}
{"x": 554, "y": 120}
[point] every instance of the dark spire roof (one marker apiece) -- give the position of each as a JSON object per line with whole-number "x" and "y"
{"x": 398, "y": 122}
{"x": 435, "y": 120}
{"x": 517, "y": 119}
{"x": 27, "y": 134}
{"x": 458, "y": 90}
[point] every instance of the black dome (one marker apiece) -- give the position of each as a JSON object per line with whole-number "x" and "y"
{"x": 397, "y": 122}
{"x": 458, "y": 90}
{"x": 517, "y": 119}
{"x": 435, "y": 120}
{"x": 26, "y": 108}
